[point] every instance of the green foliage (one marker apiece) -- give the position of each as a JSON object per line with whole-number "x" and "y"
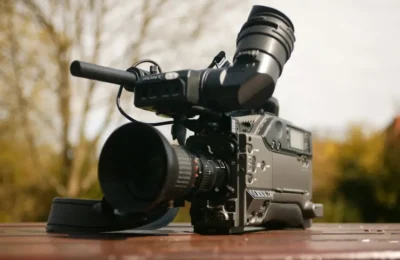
{"x": 183, "y": 214}
{"x": 366, "y": 187}
{"x": 339, "y": 211}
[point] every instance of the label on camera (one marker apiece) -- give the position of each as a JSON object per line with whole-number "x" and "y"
{"x": 234, "y": 126}
{"x": 261, "y": 194}
{"x": 171, "y": 75}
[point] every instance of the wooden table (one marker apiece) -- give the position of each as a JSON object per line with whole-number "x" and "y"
{"x": 322, "y": 241}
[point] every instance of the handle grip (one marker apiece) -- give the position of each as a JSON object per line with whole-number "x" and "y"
{"x": 92, "y": 71}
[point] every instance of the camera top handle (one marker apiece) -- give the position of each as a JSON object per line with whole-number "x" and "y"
{"x": 96, "y": 72}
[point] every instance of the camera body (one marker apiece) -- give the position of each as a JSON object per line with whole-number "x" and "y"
{"x": 259, "y": 165}
{"x": 244, "y": 166}
{"x": 269, "y": 164}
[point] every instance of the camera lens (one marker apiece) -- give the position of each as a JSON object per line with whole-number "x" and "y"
{"x": 139, "y": 169}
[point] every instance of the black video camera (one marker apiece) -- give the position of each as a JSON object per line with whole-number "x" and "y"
{"x": 244, "y": 166}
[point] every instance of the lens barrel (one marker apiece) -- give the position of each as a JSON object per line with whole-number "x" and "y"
{"x": 139, "y": 169}
{"x": 268, "y": 31}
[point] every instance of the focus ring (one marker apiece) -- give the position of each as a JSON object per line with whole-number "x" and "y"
{"x": 185, "y": 171}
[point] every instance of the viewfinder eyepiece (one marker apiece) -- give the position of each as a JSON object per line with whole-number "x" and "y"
{"x": 268, "y": 31}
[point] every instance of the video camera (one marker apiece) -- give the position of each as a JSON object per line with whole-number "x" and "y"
{"x": 244, "y": 166}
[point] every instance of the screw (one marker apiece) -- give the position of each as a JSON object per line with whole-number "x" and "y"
{"x": 249, "y": 148}
{"x": 263, "y": 166}
{"x": 250, "y": 179}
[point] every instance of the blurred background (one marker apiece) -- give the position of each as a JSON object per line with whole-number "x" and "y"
{"x": 341, "y": 83}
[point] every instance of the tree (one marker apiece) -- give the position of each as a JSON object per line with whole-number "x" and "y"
{"x": 364, "y": 184}
{"x": 56, "y": 122}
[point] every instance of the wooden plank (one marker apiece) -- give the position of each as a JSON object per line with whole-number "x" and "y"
{"x": 327, "y": 241}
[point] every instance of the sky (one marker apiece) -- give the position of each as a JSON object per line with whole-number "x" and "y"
{"x": 347, "y": 60}
{"x": 345, "y": 63}
{"x": 344, "y": 68}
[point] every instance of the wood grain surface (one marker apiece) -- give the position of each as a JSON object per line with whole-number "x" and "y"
{"x": 322, "y": 241}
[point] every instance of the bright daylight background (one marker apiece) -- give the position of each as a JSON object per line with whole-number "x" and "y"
{"x": 341, "y": 83}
